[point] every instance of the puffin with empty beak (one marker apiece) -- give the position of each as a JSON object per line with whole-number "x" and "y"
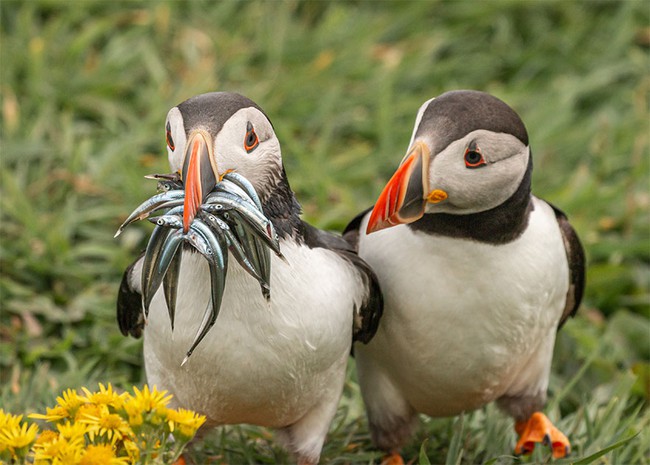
{"x": 276, "y": 359}
{"x": 477, "y": 275}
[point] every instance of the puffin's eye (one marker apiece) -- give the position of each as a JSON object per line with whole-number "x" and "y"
{"x": 250, "y": 141}
{"x": 168, "y": 136}
{"x": 473, "y": 157}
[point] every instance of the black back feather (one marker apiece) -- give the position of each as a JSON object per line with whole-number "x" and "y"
{"x": 130, "y": 317}
{"x": 576, "y": 258}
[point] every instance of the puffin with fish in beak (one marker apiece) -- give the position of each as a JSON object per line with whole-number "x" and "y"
{"x": 277, "y": 358}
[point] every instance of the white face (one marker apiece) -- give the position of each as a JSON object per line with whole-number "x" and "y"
{"x": 471, "y": 186}
{"x": 262, "y": 166}
{"x": 175, "y": 128}
{"x": 418, "y": 119}
{"x": 260, "y": 162}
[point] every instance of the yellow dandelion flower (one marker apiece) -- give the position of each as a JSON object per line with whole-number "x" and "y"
{"x": 147, "y": 400}
{"x": 159, "y": 416}
{"x": 135, "y": 419}
{"x": 60, "y": 450}
{"x": 101, "y": 454}
{"x": 66, "y": 407}
{"x": 106, "y": 424}
{"x": 105, "y": 396}
{"x": 18, "y": 436}
{"x": 52, "y": 414}
{"x": 8, "y": 420}
{"x": 9, "y": 423}
{"x": 45, "y": 437}
{"x": 73, "y": 430}
{"x": 70, "y": 400}
{"x": 92, "y": 410}
{"x": 132, "y": 450}
{"x": 184, "y": 422}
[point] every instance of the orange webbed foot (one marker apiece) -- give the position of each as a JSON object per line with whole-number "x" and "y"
{"x": 539, "y": 429}
{"x": 392, "y": 459}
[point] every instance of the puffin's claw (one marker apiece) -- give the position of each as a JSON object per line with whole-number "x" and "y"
{"x": 539, "y": 429}
{"x": 392, "y": 459}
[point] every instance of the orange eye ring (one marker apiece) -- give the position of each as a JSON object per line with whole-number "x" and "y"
{"x": 474, "y": 158}
{"x": 168, "y": 137}
{"x": 251, "y": 141}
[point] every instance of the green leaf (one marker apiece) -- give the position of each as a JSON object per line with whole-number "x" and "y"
{"x": 455, "y": 454}
{"x": 422, "y": 457}
{"x": 600, "y": 453}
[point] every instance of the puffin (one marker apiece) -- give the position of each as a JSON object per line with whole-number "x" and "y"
{"x": 477, "y": 275}
{"x": 278, "y": 363}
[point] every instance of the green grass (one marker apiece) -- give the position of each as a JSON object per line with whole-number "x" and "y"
{"x": 85, "y": 89}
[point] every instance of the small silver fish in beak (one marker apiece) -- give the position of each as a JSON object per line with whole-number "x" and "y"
{"x": 214, "y": 217}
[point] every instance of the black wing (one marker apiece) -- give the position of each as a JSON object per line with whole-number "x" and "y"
{"x": 366, "y": 318}
{"x": 351, "y": 232}
{"x": 576, "y": 258}
{"x": 130, "y": 317}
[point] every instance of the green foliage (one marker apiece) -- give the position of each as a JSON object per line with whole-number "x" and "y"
{"x": 85, "y": 89}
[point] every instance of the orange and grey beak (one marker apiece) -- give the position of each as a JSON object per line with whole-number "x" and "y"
{"x": 406, "y": 194}
{"x": 199, "y": 175}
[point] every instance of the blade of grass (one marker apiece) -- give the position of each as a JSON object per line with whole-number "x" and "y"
{"x": 593, "y": 457}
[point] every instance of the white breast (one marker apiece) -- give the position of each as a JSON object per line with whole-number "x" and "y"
{"x": 465, "y": 322}
{"x": 262, "y": 363}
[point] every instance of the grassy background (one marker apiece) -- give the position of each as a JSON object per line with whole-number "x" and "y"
{"x": 85, "y": 89}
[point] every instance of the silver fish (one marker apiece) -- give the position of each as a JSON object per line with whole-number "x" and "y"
{"x": 256, "y": 253}
{"x": 218, "y": 265}
{"x": 170, "y": 284}
{"x": 208, "y": 235}
{"x": 199, "y": 243}
{"x": 253, "y": 217}
{"x": 231, "y": 188}
{"x": 231, "y": 218}
{"x": 168, "y": 221}
{"x": 161, "y": 267}
{"x": 234, "y": 246}
{"x": 175, "y": 177}
{"x": 166, "y": 186}
{"x": 151, "y": 257}
{"x": 167, "y": 182}
{"x": 264, "y": 257}
{"x": 263, "y": 231}
{"x": 205, "y": 321}
{"x": 170, "y": 204}
{"x": 245, "y": 184}
{"x": 150, "y": 205}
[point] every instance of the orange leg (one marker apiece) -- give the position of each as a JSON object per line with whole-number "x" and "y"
{"x": 539, "y": 428}
{"x": 392, "y": 459}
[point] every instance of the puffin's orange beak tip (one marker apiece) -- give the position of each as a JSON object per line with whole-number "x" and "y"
{"x": 403, "y": 198}
{"x": 193, "y": 192}
{"x": 199, "y": 177}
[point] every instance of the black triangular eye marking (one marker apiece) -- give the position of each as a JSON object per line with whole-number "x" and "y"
{"x": 168, "y": 137}
{"x": 251, "y": 141}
